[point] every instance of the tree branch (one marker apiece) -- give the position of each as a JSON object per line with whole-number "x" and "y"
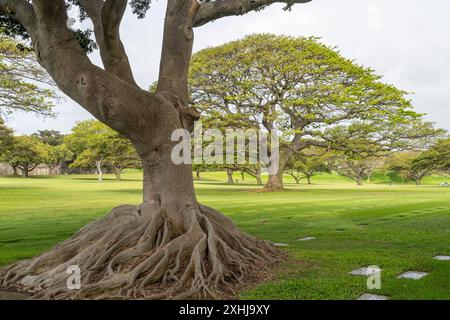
{"x": 106, "y": 17}
{"x": 177, "y": 48}
{"x": 22, "y": 12}
{"x": 222, "y": 8}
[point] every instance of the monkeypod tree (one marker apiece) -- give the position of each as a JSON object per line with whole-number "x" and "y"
{"x": 415, "y": 166}
{"x": 170, "y": 246}
{"x": 364, "y": 145}
{"x": 296, "y": 87}
{"x": 24, "y": 84}
{"x": 219, "y": 137}
{"x": 358, "y": 168}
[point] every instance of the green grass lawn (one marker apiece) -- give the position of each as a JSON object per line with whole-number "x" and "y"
{"x": 398, "y": 228}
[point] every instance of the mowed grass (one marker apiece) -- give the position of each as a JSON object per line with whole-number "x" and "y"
{"x": 398, "y": 228}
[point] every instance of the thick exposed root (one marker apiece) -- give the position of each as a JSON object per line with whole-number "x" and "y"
{"x": 130, "y": 254}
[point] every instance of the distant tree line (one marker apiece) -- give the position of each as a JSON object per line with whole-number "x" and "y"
{"x": 90, "y": 147}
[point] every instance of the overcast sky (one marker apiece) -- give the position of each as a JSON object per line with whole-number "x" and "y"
{"x": 406, "y": 41}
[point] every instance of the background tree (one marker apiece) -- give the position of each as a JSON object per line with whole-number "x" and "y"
{"x": 438, "y": 155}
{"x": 55, "y": 156}
{"x": 295, "y": 87}
{"x": 97, "y": 146}
{"x": 170, "y": 246}
{"x": 121, "y": 154}
{"x": 50, "y": 137}
{"x": 25, "y": 154}
{"x": 89, "y": 159}
{"x": 24, "y": 85}
{"x": 365, "y": 144}
{"x": 306, "y": 166}
{"x": 411, "y": 166}
{"x": 354, "y": 166}
{"x": 198, "y": 169}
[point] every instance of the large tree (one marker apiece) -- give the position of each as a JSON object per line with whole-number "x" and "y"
{"x": 296, "y": 87}
{"x": 170, "y": 246}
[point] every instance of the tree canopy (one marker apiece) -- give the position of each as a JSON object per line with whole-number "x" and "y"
{"x": 300, "y": 89}
{"x": 24, "y": 84}
{"x": 95, "y": 145}
{"x": 25, "y": 154}
{"x": 50, "y": 137}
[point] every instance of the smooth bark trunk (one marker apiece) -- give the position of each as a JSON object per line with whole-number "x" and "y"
{"x": 359, "y": 181}
{"x": 258, "y": 179}
{"x": 275, "y": 183}
{"x": 98, "y": 165}
{"x": 230, "y": 176}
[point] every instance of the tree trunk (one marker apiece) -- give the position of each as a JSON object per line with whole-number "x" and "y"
{"x": 118, "y": 173}
{"x": 275, "y": 183}
{"x": 243, "y": 175}
{"x": 98, "y": 165}
{"x": 230, "y": 176}
{"x": 25, "y": 172}
{"x": 258, "y": 179}
{"x": 15, "y": 171}
{"x": 197, "y": 173}
{"x": 359, "y": 181}
{"x": 308, "y": 178}
{"x": 54, "y": 169}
